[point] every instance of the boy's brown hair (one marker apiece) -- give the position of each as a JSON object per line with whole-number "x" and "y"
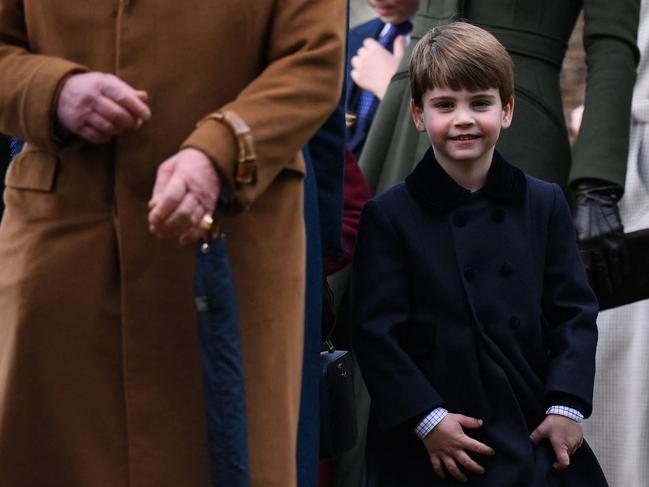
{"x": 460, "y": 55}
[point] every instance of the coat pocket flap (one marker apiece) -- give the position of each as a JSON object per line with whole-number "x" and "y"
{"x": 32, "y": 169}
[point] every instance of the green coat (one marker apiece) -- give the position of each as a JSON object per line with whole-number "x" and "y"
{"x": 536, "y": 35}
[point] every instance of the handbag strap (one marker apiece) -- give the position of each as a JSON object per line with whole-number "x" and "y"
{"x": 328, "y": 315}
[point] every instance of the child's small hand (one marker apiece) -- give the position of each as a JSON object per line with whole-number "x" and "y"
{"x": 565, "y": 435}
{"x": 373, "y": 65}
{"x": 446, "y": 445}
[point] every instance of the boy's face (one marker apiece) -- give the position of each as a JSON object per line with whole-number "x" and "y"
{"x": 394, "y": 11}
{"x": 463, "y": 126}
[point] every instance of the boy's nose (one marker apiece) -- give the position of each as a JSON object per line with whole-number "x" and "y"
{"x": 463, "y": 117}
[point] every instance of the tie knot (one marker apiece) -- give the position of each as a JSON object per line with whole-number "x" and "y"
{"x": 393, "y": 31}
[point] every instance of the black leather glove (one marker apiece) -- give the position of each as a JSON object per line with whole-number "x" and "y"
{"x": 600, "y": 234}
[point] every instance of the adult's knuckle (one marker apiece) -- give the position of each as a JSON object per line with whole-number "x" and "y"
{"x": 173, "y": 200}
{"x": 103, "y": 124}
{"x": 110, "y": 81}
{"x": 86, "y": 98}
{"x": 187, "y": 214}
{"x": 120, "y": 97}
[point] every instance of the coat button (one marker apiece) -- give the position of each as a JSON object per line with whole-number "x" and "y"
{"x": 506, "y": 269}
{"x": 498, "y": 215}
{"x": 469, "y": 274}
{"x": 514, "y": 322}
{"x": 459, "y": 220}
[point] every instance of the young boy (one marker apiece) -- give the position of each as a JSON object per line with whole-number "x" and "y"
{"x": 476, "y": 327}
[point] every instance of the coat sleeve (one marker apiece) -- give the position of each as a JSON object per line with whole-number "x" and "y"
{"x": 610, "y": 33}
{"x": 29, "y": 82}
{"x": 290, "y": 99}
{"x": 399, "y": 391}
{"x": 570, "y": 311}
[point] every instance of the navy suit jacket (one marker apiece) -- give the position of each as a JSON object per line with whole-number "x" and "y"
{"x": 371, "y": 29}
{"x": 477, "y": 302}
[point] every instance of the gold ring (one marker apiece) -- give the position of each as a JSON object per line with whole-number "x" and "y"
{"x": 207, "y": 222}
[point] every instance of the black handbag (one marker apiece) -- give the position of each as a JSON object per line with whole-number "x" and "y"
{"x": 338, "y": 430}
{"x": 635, "y": 285}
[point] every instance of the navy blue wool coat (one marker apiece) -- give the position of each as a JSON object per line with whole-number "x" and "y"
{"x": 477, "y": 302}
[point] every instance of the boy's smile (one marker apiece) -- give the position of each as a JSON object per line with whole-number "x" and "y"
{"x": 463, "y": 126}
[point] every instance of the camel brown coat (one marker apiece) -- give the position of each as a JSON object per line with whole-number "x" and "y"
{"x": 100, "y": 381}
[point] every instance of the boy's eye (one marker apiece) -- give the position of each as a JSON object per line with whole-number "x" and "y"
{"x": 482, "y": 103}
{"x": 443, "y": 105}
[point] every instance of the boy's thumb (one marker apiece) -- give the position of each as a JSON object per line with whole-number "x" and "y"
{"x": 399, "y": 46}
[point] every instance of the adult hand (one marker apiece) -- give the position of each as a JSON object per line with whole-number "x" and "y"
{"x": 373, "y": 65}
{"x": 96, "y": 106}
{"x": 565, "y": 435}
{"x": 447, "y": 444}
{"x": 186, "y": 189}
{"x": 600, "y": 234}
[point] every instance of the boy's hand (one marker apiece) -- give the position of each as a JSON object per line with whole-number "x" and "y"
{"x": 373, "y": 65}
{"x": 446, "y": 445}
{"x": 565, "y": 435}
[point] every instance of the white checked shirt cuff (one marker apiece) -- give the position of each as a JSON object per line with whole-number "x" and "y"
{"x": 567, "y": 412}
{"x": 427, "y": 424}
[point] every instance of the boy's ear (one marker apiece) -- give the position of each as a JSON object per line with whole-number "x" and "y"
{"x": 508, "y": 112}
{"x": 417, "y": 116}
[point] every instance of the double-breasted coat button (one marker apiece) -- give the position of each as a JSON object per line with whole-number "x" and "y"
{"x": 506, "y": 269}
{"x": 459, "y": 220}
{"x": 514, "y": 322}
{"x": 498, "y": 215}
{"x": 469, "y": 274}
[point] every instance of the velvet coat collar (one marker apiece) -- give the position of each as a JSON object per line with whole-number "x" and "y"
{"x": 434, "y": 189}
